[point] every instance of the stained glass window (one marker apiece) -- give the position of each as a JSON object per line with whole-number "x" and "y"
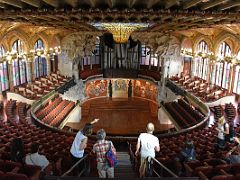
{"x": 18, "y": 65}
{"x": 224, "y": 68}
{"x": 236, "y": 86}
{"x": 40, "y": 63}
{"x": 202, "y": 62}
{"x": 3, "y": 72}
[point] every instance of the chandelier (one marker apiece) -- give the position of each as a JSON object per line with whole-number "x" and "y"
{"x": 121, "y": 31}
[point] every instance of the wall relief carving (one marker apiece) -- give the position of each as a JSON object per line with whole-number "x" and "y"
{"x": 162, "y": 44}
{"x": 79, "y": 44}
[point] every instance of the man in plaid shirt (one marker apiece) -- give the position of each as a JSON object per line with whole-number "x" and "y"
{"x": 100, "y": 148}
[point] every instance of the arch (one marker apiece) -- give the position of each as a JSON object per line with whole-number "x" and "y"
{"x": 187, "y": 44}
{"x": 199, "y": 38}
{"x": 55, "y": 41}
{"x": 229, "y": 38}
{"x": 14, "y": 35}
{"x": 202, "y": 42}
{"x": 43, "y": 36}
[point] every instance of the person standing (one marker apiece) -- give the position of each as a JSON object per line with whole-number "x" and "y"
{"x": 110, "y": 88}
{"x": 223, "y": 130}
{"x": 79, "y": 144}
{"x": 17, "y": 150}
{"x": 130, "y": 89}
{"x": 149, "y": 144}
{"x": 100, "y": 148}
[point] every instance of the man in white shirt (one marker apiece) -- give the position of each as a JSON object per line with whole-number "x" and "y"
{"x": 36, "y": 159}
{"x": 149, "y": 144}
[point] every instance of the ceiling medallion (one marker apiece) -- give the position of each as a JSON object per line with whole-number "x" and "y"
{"x": 121, "y": 31}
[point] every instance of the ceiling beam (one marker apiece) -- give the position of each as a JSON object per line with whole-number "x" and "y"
{"x": 212, "y": 3}
{"x": 92, "y": 3}
{"x": 72, "y": 3}
{"x": 151, "y": 3}
{"x": 54, "y": 3}
{"x": 2, "y": 5}
{"x": 191, "y": 3}
{"x": 229, "y": 5}
{"x": 34, "y": 3}
{"x": 15, "y": 3}
{"x": 132, "y": 3}
{"x": 171, "y": 3}
{"x": 110, "y": 3}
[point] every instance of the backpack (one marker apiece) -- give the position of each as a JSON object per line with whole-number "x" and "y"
{"x": 231, "y": 134}
{"x": 111, "y": 157}
{"x": 149, "y": 167}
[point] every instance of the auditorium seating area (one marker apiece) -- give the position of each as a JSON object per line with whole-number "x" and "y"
{"x": 41, "y": 86}
{"x": 55, "y": 145}
{"x": 207, "y": 164}
{"x": 54, "y": 111}
{"x": 199, "y": 87}
{"x": 184, "y": 114}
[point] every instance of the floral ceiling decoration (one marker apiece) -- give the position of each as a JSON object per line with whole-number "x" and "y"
{"x": 121, "y": 31}
{"x": 79, "y": 44}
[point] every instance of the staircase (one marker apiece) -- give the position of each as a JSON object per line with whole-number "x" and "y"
{"x": 124, "y": 167}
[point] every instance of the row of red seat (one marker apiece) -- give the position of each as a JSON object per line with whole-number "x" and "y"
{"x": 199, "y": 87}
{"x": 48, "y": 107}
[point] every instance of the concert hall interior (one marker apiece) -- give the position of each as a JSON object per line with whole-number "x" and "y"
{"x": 175, "y": 63}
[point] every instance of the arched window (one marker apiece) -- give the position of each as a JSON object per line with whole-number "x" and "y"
{"x": 18, "y": 64}
{"x": 40, "y": 63}
{"x": 236, "y": 85}
{"x": 3, "y": 72}
{"x": 2, "y": 51}
{"x": 201, "y": 65}
{"x": 223, "y": 69}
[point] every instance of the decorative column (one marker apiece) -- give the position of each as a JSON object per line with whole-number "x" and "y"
{"x": 10, "y": 75}
{"x": 53, "y": 63}
{"x": 32, "y": 64}
{"x": 48, "y": 59}
{"x": 161, "y": 85}
{"x": 29, "y": 71}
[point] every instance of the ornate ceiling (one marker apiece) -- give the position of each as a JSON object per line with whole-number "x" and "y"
{"x": 186, "y": 16}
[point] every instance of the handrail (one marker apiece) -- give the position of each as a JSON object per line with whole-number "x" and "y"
{"x": 70, "y": 170}
{"x": 164, "y": 167}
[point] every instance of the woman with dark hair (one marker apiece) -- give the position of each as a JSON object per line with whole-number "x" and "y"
{"x": 17, "y": 151}
{"x": 79, "y": 144}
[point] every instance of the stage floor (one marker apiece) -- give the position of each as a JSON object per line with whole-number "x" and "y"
{"x": 120, "y": 116}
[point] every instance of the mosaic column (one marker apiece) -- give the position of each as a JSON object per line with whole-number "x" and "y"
{"x": 10, "y": 75}
{"x": 48, "y": 65}
{"x": 29, "y": 71}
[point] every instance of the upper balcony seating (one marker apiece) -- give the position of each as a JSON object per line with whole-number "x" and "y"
{"x": 199, "y": 87}
{"x": 41, "y": 86}
{"x": 54, "y": 112}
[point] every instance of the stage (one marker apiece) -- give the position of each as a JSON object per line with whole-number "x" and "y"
{"x": 121, "y": 116}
